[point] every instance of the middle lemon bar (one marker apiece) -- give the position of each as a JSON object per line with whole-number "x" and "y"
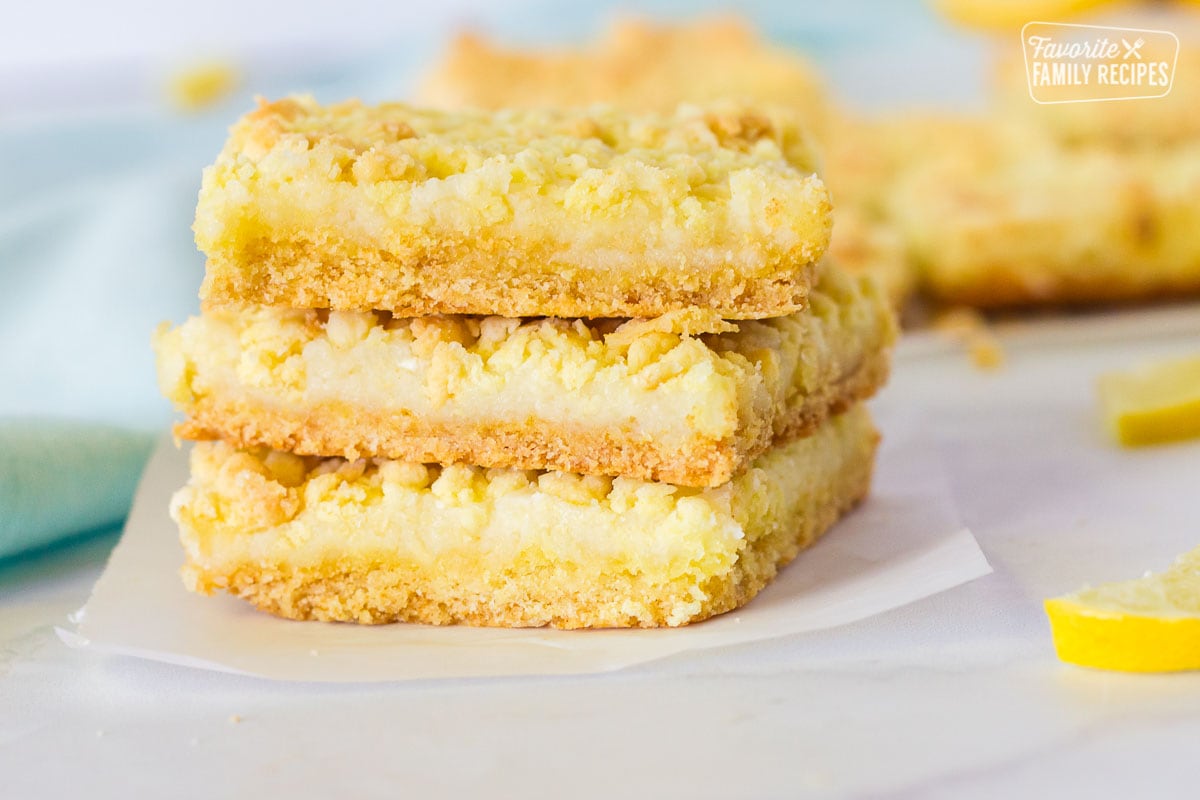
{"x": 651, "y": 399}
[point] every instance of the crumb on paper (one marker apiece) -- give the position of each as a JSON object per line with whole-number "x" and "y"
{"x": 986, "y": 352}
{"x": 202, "y": 84}
{"x": 234, "y": 719}
{"x": 968, "y": 326}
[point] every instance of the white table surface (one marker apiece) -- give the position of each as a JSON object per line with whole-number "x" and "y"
{"x": 956, "y": 696}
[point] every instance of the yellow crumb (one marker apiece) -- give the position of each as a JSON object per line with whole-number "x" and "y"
{"x": 201, "y": 85}
{"x": 986, "y": 352}
{"x": 959, "y": 322}
{"x": 968, "y": 326}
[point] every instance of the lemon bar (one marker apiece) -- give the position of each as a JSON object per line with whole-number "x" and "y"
{"x": 588, "y": 213}
{"x": 384, "y": 541}
{"x": 650, "y": 399}
{"x": 866, "y": 245}
{"x": 636, "y": 64}
{"x": 1039, "y": 223}
{"x": 1173, "y": 119}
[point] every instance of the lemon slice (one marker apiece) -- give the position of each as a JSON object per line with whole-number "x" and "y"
{"x": 1012, "y": 14}
{"x": 1151, "y": 624}
{"x": 1157, "y": 403}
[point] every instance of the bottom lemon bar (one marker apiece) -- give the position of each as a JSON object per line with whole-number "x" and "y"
{"x": 377, "y": 541}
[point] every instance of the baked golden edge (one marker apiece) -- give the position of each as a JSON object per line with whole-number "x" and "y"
{"x": 368, "y": 594}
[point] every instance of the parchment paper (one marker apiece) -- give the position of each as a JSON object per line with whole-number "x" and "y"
{"x": 904, "y": 543}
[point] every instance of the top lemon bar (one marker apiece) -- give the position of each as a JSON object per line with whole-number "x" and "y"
{"x": 587, "y": 213}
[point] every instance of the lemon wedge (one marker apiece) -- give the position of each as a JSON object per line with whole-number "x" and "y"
{"x": 1151, "y": 624}
{"x": 1012, "y": 14}
{"x": 1157, "y": 403}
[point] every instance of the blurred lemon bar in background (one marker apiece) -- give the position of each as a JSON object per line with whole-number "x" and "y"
{"x": 1150, "y": 123}
{"x": 1014, "y": 219}
{"x": 637, "y": 65}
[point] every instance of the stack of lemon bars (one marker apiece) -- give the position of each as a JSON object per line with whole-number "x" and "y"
{"x": 517, "y": 368}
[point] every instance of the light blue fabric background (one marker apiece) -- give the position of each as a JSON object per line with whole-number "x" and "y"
{"x": 96, "y": 247}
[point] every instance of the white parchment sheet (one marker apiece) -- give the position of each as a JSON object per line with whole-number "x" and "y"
{"x": 904, "y": 543}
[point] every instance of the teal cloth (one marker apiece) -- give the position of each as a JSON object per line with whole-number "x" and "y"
{"x": 59, "y": 477}
{"x": 96, "y": 251}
